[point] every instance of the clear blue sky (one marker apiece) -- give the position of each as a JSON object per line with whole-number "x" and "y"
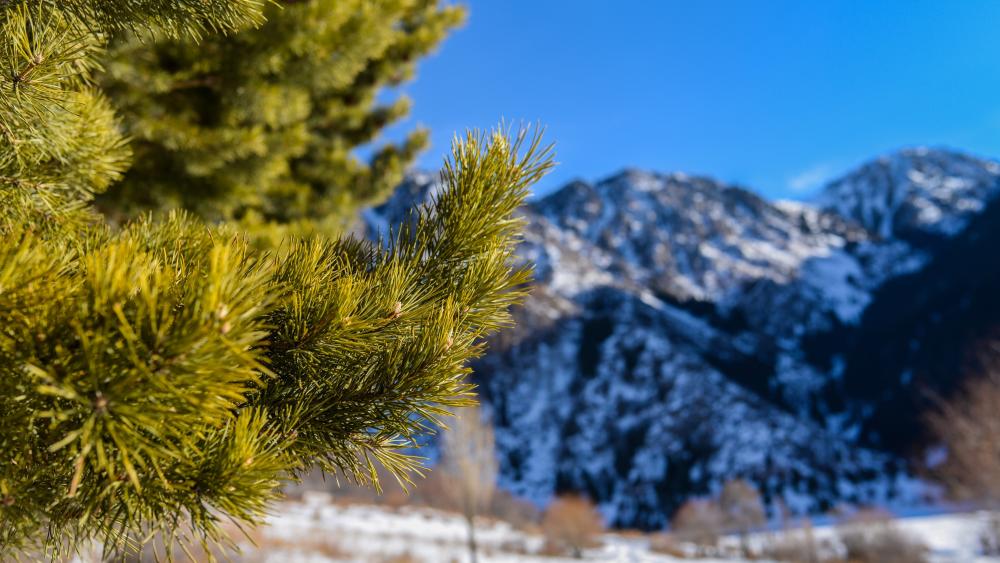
{"x": 776, "y": 96}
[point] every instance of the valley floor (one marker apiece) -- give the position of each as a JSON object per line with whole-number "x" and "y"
{"x": 315, "y": 530}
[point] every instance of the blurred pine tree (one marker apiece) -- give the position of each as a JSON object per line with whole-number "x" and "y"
{"x": 259, "y": 126}
{"x": 163, "y": 376}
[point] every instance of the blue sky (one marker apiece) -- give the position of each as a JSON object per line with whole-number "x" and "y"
{"x": 776, "y": 96}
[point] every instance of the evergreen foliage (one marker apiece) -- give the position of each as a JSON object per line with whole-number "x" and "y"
{"x": 168, "y": 371}
{"x": 259, "y": 126}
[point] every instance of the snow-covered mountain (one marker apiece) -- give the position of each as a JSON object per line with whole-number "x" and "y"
{"x": 914, "y": 193}
{"x": 683, "y": 331}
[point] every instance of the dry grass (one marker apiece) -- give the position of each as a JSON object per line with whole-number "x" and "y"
{"x": 667, "y": 544}
{"x": 871, "y": 536}
{"x": 401, "y": 558}
{"x": 792, "y": 547}
{"x": 315, "y": 544}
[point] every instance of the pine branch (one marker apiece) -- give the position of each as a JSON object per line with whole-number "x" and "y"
{"x": 169, "y": 370}
{"x": 180, "y": 371}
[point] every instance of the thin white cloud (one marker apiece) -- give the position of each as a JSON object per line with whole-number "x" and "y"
{"x": 810, "y": 178}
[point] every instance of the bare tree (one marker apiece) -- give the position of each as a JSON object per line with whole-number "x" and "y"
{"x": 469, "y": 461}
{"x": 572, "y": 524}
{"x": 742, "y": 509}
{"x": 700, "y": 522}
{"x": 967, "y": 426}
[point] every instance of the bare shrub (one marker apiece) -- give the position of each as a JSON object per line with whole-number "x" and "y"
{"x": 742, "y": 510}
{"x": 967, "y": 427}
{"x": 700, "y": 522}
{"x": 571, "y": 524}
{"x": 871, "y": 536}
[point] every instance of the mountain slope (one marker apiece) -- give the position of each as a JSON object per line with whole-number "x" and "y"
{"x": 621, "y": 403}
{"x": 914, "y": 341}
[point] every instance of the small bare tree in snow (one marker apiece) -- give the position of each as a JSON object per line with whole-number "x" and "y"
{"x": 469, "y": 462}
{"x": 742, "y": 509}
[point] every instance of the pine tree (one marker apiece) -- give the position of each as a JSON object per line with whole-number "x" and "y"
{"x": 259, "y": 126}
{"x": 168, "y": 371}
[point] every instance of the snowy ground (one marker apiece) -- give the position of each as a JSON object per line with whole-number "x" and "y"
{"x": 316, "y": 531}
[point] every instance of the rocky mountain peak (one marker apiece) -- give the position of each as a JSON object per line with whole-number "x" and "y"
{"x": 691, "y": 237}
{"x": 918, "y": 194}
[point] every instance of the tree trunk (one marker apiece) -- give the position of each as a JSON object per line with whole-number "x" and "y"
{"x": 470, "y": 519}
{"x": 745, "y": 543}
{"x": 989, "y": 539}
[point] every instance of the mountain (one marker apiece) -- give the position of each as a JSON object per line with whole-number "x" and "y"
{"x": 682, "y": 332}
{"x": 915, "y": 195}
